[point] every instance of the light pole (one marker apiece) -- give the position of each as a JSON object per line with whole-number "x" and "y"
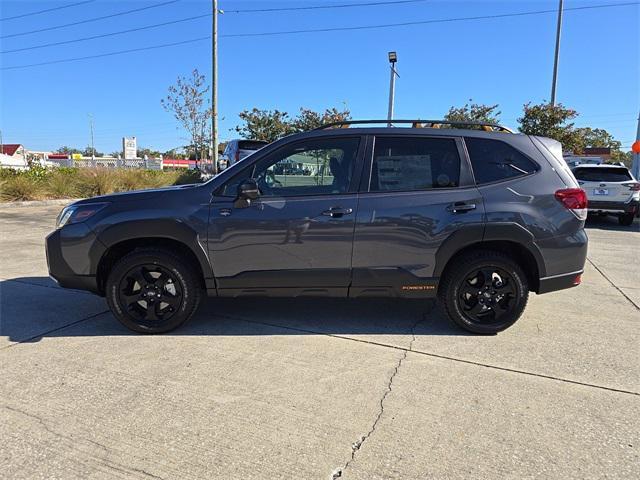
{"x": 393, "y": 58}
{"x": 93, "y": 150}
{"x": 214, "y": 85}
{"x": 556, "y": 56}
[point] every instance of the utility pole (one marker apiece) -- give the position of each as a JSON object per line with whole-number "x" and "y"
{"x": 393, "y": 58}
{"x": 214, "y": 85}
{"x": 557, "y": 55}
{"x": 93, "y": 150}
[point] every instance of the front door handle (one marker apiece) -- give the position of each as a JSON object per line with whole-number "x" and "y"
{"x": 461, "y": 207}
{"x": 337, "y": 212}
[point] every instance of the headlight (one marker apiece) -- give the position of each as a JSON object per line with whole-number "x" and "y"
{"x": 78, "y": 213}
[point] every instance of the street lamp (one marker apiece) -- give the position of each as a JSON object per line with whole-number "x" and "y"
{"x": 393, "y": 58}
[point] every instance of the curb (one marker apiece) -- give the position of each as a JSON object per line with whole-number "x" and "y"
{"x": 38, "y": 203}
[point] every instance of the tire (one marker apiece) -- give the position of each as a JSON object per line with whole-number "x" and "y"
{"x": 484, "y": 291}
{"x": 626, "y": 219}
{"x": 153, "y": 290}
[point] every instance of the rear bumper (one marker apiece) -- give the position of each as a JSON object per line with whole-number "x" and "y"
{"x": 613, "y": 207}
{"x": 560, "y": 282}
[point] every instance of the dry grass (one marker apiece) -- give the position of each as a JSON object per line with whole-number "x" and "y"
{"x": 21, "y": 188}
{"x": 42, "y": 183}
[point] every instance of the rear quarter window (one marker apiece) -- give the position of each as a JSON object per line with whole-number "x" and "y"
{"x": 602, "y": 174}
{"x": 495, "y": 160}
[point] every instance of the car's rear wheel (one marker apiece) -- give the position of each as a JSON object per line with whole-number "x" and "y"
{"x": 484, "y": 291}
{"x": 152, "y": 291}
{"x": 626, "y": 219}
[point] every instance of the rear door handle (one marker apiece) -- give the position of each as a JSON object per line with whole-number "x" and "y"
{"x": 461, "y": 207}
{"x": 337, "y": 212}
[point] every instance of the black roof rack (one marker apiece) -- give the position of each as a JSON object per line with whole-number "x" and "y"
{"x": 489, "y": 127}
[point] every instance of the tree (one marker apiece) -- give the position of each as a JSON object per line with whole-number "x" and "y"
{"x": 267, "y": 125}
{"x": 308, "y": 119}
{"x": 270, "y": 125}
{"x": 597, "y": 137}
{"x": 188, "y": 102}
{"x": 91, "y": 152}
{"x": 473, "y": 112}
{"x": 150, "y": 153}
{"x": 68, "y": 150}
{"x": 553, "y": 121}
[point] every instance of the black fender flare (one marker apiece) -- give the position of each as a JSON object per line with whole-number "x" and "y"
{"x": 168, "y": 228}
{"x": 479, "y": 233}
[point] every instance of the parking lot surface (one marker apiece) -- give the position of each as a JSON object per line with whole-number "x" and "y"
{"x": 318, "y": 388}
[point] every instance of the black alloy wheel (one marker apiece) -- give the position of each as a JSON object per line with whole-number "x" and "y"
{"x": 487, "y": 294}
{"x": 150, "y": 293}
{"x": 484, "y": 291}
{"x": 153, "y": 290}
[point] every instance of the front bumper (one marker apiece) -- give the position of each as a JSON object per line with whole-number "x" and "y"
{"x": 613, "y": 207}
{"x": 70, "y": 252}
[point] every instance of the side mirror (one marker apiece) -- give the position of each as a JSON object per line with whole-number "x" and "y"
{"x": 248, "y": 191}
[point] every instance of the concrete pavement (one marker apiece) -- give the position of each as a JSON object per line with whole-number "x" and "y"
{"x": 318, "y": 388}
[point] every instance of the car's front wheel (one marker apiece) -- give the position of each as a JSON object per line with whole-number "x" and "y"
{"x": 484, "y": 291}
{"x": 152, "y": 290}
{"x": 626, "y": 219}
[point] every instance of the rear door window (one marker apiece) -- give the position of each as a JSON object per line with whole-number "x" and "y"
{"x": 495, "y": 160}
{"x": 602, "y": 174}
{"x": 414, "y": 163}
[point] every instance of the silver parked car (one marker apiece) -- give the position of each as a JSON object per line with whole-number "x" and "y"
{"x": 611, "y": 190}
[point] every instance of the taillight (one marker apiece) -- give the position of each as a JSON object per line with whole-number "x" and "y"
{"x": 575, "y": 200}
{"x": 237, "y": 155}
{"x": 634, "y": 187}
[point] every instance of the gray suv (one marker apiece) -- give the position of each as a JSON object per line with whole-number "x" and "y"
{"x": 472, "y": 214}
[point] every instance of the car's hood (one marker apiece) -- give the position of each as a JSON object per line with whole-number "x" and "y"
{"x": 136, "y": 195}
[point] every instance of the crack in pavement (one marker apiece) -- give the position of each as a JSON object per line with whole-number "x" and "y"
{"x": 357, "y": 445}
{"x": 613, "y": 284}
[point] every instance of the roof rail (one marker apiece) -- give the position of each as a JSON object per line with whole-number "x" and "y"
{"x": 489, "y": 127}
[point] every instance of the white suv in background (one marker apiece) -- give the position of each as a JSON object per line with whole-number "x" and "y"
{"x": 611, "y": 190}
{"x": 236, "y": 150}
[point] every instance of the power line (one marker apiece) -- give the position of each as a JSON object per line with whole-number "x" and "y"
{"x": 362, "y": 27}
{"x": 320, "y": 7}
{"x": 93, "y": 37}
{"x": 196, "y": 17}
{"x": 423, "y": 22}
{"x": 131, "y": 30}
{"x": 109, "y": 54}
{"x": 46, "y": 10}
{"x": 89, "y": 20}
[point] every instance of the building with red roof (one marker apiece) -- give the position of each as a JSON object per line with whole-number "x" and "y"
{"x": 12, "y": 149}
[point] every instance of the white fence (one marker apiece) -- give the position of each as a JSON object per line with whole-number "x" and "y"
{"x": 110, "y": 162}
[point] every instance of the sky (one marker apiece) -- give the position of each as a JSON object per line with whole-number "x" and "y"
{"x": 506, "y": 61}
